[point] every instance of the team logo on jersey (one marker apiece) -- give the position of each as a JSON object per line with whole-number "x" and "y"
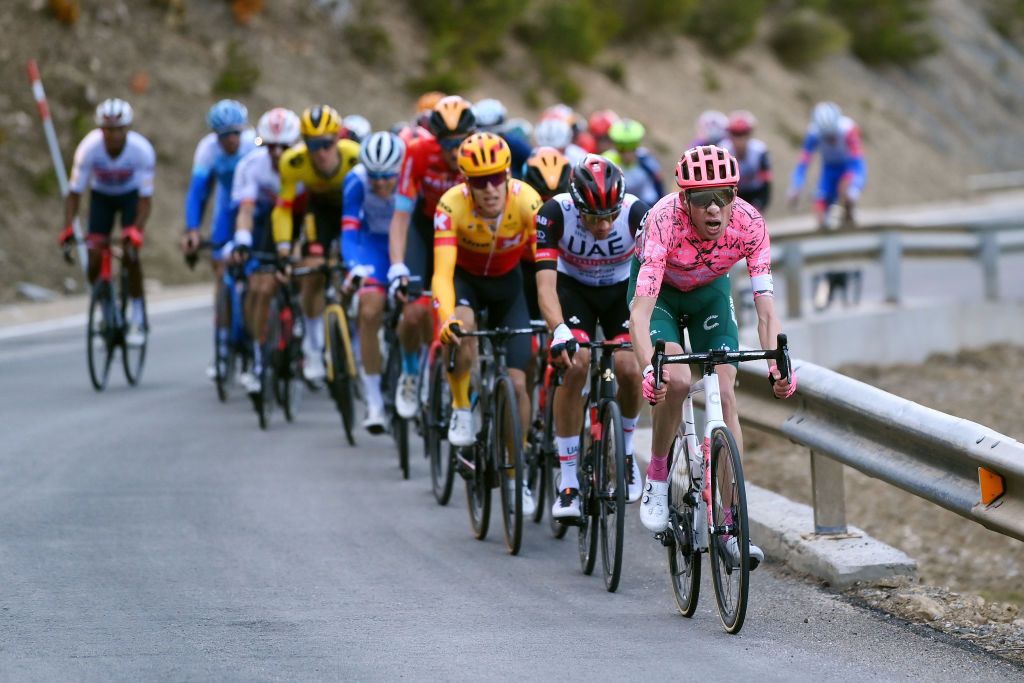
{"x": 442, "y": 222}
{"x": 509, "y": 242}
{"x": 575, "y": 320}
{"x": 711, "y": 322}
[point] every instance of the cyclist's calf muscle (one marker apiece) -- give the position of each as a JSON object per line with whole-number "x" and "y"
{"x": 371, "y": 316}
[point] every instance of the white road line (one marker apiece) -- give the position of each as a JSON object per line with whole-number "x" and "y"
{"x": 79, "y": 319}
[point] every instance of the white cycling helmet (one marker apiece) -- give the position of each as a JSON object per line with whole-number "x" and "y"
{"x": 113, "y": 113}
{"x": 711, "y": 127}
{"x": 490, "y": 115}
{"x": 357, "y": 126}
{"x": 553, "y": 132}
{"x": 826, "y": 117}
{"x": 382, "y": 153}
{"x": 279, "y": 126}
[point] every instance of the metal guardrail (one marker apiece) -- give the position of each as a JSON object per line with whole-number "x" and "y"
{"x": 889, "y": 245}
{"x": 922, "y": 451}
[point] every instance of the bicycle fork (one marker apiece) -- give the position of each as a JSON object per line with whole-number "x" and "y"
{"x": 699, "y": 494}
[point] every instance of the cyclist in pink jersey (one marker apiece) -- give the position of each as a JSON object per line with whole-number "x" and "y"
{"x": 689, "y": 242}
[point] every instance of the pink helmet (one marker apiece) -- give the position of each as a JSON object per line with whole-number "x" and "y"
{"x": 706, "y": 166}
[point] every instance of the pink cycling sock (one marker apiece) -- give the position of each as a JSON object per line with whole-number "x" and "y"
{"x": 657, "y": 470}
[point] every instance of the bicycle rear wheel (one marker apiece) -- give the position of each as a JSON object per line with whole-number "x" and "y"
{"x": 536, "y": 467}
{"x": 389, "y": 384}
{"x": 133, "y": 357}
{"x": 683, "y": 555}
{"x": 223, "y": 351}
{"x": 99, "y": 335}
{"x": 731, "y": 574}
{"x": 587, "y": 539}
{"x": 611, "y": 493}
{"x": 264, "y": 401}
{"x": 552, "y": 468}
{"x": 478, "y": 488}
{"x": 508, "y": 460}
{"x": 341, "y": 381}
{"x": 400, "y": 430}
{"x": 442, "y": 473}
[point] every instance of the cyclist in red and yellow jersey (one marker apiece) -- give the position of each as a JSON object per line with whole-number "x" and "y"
{"x": 481, "y": 229}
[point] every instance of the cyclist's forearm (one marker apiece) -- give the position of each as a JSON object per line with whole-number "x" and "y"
{"x": 142, "y": 213}
{"x": 768, "y": 325}
{"x": 243, "y": 222}
{"x": 640, "y": 328}
{"x": 398, "y": 234}
{"x": 71, "y": 207}
{"x": 547, "y": 297}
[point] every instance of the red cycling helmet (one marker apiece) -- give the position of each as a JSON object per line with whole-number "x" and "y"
{"x": 741, "y": 122}
{"x": 597, "y": 186}
{"x": 600, "y": 121}
{"x": 707, "y": 166}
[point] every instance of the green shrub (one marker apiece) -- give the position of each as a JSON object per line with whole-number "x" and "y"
{"x": 239, "y": 75}
{"x": 886, "y": 31}
{"x": 711, "y": 81}
{"x": 803, "y": 37}
{"x": 725, "y": 26}
{"x": 651, "y": 16}
{"x": 1006, "y": 17}
{"x": 616, "y": 73}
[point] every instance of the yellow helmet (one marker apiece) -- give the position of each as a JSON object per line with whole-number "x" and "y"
{"x": 427, "y": 100}
{"x": 319, "y": 120}
{"x": 484, "y": 154}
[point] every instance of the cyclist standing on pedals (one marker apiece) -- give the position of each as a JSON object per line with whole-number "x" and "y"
{"x": 641, "y": 170}
{"x": 752, "y": 156}
{"x": 320, "y": 164}
{"x": 843, "y": 171}
{"x": 430, "y": 169}
{"x": 216, "y": 157}
{"x": 690, "y": 240}
{"x": 490, "y": 118}
{"x": 481, "y": 228}
{"x": 119, "y": 164}
{"x": 369, "y": 203}
{"x": 254, "y": 189}
{"x": 585, "y": 240}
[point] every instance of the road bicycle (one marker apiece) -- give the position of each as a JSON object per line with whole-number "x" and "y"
{"x": 602, "y": 466}
{"x": 339, "y": 359}
{"x": 496, "y": 459}
{"x": 397, "y": 425}
{"x": 231, "y": 341}
{"x": 435, "y": 414}
{"x": 706, "y": 495}
{"x": 538, "y": 440}
{"x": 107, "y": 326}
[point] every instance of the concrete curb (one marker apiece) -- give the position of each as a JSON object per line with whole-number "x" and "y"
{"x": 784, "y": 529}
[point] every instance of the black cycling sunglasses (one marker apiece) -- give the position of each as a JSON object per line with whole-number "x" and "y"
{"x": 319, "y": 143}
{"x": 722, "y": 196}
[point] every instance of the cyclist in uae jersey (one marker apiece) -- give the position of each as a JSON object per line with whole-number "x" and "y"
{"x": 319, "y": 164}
{"x": 690, "y": 240}
{"x": 585, "y": 241}
{"x": 119, "y": 165}
{"x": 430, "y": 169}
{"x": 368, "y": 206}
{"x": 843, "y": 171}
{"x": 254, "y": 190}
{"x": 481, "y": 229}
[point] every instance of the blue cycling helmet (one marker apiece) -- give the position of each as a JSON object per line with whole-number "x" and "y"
{"x": 227, "y": 116}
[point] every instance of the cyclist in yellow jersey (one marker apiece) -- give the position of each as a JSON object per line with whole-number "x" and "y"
{"x": 481, "y": 229}
{"x": 319, "y": 164}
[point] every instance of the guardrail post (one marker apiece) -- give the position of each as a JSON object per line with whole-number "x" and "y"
{"x": 793, "y": 260}
{"x": 892, "y": 253}
{"x": 988, "y": 254}
{"x": 829, "y": 495}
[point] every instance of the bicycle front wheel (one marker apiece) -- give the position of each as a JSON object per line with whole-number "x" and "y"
{"x": 341, "y": 381}
{"x": 223, "y": 353}
{"x": 442, "y": 473}
{"x": 508, "y": 460}
{"x": 587, "y": 539}
{"x": 552, "y": 467}
{"x": 611, "y": 493}
{"x": 99, "y": 335}
{"x": 730, "y": 538}
{"x": 133, "y": 357}
{"x": 683, "y": 553}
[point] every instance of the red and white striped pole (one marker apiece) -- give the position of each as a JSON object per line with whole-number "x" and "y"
{"x": 58, "y": 160}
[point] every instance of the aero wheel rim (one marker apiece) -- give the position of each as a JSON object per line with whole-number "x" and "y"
{"x": 612, "y": 497}
{"x": 97, "y": 344}
{"x": 729, "y": 518}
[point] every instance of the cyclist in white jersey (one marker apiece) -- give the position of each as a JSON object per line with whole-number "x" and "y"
{"x": 119, "y": 165}
{"x": 585, "y": 240}
{"x": 254, "y": 191}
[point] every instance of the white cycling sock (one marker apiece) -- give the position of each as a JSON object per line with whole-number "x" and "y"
{"x": 313, "y": 342}
{"x": 138, "y": 313}
{"x": 568, "y": 450}
{"x": 628, "y": 428}
{"x": 371, "y": 385}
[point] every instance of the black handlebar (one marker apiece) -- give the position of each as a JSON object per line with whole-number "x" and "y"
{"x": 780, "y": 355}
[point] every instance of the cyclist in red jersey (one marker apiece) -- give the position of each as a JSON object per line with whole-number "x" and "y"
{"x": 429, "y": 170}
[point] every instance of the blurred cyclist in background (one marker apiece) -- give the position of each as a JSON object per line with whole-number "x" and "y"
{"x": 843, "y": 171}
{"x": 711, "y": 127}
{"x": 355, "y": 127}
{"x": 640, "y": 168}
{"x": 598, "y": 125}
{"x": 491, "y": 115}
{"x": 752, "y": 156}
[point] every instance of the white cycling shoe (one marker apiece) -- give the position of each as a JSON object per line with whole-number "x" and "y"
{"x": 460, "y": 429}
{"x": 732, "y": 547}
{"x": 249, "y": 382}
{"x": 634, "y": 484}
{"x": 135, "y": 336}
{"x": 567, "y": 505}
{"x": 374, "y": 422}
{"x": 406, "y": 400}
{"x": 528, "y": 503}
{"x": 654, "y": 506}
{"x": 313, "y": 368}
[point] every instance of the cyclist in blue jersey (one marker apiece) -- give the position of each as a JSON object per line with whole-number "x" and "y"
{"x": 491, "y": 116}
{"x": 843, "y": 171}
{"x": 367, "y": 207}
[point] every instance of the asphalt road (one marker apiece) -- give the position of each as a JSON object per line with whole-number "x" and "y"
{"x": 153, "y": 533}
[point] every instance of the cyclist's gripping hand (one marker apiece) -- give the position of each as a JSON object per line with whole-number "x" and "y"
{"x": 448, "y": 336}
{"x": 67, "y": 243}
{"x": 654, "y": 395}
{"x": 398, "y": 279}
{"x": 782, "y": 388}
{"x": 560, "y": 336}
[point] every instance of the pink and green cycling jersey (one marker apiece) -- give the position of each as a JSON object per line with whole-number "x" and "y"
{"x": 670, "y": 250}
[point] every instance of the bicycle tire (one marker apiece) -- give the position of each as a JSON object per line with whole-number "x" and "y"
{"x": 611, "y": 494}
{"x": 442, "y": 470}
{"x": 99, "y": 336}
{"x": 508, "y": 461}
{"x": 683, "y": 558}
{"x": 587, "y": 539}
{"x": 731, "y": 583}
{"x": 340, "y": 379}
{"x": 270, "y": 393}
{"x": 223, "y": 354}
{"x": 400, "y": 429}
{"x": 478, "y": 491}
{"x": 553, "y": 477}
{"x": 536, "y": 468}
{"x": 133, "y": 358}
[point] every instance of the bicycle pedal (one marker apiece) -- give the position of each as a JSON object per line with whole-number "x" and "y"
{"x": 665, "y": 538}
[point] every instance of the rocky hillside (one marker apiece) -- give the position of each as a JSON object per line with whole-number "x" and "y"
{"x": 925, "y": 127}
